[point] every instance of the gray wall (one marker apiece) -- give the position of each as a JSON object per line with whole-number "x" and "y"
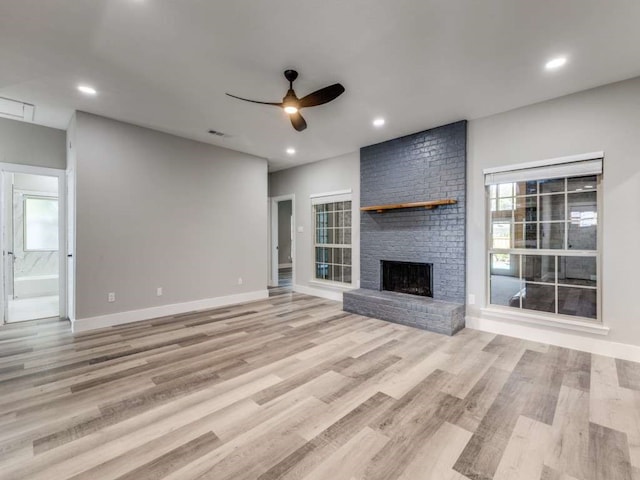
{"x": 334, "y": 174}
{"x": 429, "y": 165}
{"x": 155, "y": 210}
{"x": 29, "y": 144}
{"x": 284, "y": 232}
{"x": 606, "y": 118}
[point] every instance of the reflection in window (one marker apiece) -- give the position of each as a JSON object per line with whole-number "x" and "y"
{"x": 543, "y": 246}
{"x": 333, "y": 241}
{"x": 41, "y": 224}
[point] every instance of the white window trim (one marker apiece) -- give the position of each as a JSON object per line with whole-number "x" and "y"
{"x": 596, "y": 325}
{"x": 319, "y": 199}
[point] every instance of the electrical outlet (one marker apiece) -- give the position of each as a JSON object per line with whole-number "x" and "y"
{"x": 159, "y": 291}
{"x": 239, "y": 280}
{"x": 111, "y": 297}
{"x": 472, "y": 299}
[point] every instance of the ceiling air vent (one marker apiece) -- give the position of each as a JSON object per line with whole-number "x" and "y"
{"x": 16, "y": 110}
{"x": 217, "y": 133}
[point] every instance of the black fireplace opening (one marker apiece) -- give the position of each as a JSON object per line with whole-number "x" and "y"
{"x": 407, "y": 277}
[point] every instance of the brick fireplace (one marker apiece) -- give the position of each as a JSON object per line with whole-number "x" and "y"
{"x": 424, "y": 166}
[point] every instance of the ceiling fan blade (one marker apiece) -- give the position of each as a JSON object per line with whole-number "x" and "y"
{"x": 324, "y": 95}
{"x": 298, "y": 122}
{"x": 279, "y": 104}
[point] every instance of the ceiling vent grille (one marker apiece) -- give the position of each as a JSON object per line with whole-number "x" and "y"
{"x": 16, "y": 110}
{"x": 219, "y": 134}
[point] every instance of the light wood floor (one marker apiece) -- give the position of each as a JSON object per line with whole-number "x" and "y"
{"x": 292, "y": 387}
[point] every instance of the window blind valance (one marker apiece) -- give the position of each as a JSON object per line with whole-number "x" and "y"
{"x": 576, "y": 166}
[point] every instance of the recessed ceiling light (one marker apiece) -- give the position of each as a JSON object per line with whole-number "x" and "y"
{"x": 86, "y": 89}
{"x": 291, "y": 150}
{"x": 378, "y": 122}
{"x": 555, "y": 63}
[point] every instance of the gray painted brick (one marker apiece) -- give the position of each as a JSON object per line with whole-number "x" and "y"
{"x": 428, "y": 165}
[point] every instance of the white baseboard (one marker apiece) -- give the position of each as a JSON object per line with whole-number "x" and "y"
{"x": 120, "y": 318}
{"x": 320, "y": 292}
{"x": 575, "y": 341}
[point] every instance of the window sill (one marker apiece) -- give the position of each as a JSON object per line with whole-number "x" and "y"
{"x": 328, "y": 284}
{"x": 509, "y": 315}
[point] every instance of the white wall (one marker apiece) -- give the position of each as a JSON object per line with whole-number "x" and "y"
{"x": 606, "y": 118}
{"x": 28, "y": 144}
{"x": 155, "y": 210}
{"x": 334, "y": 174}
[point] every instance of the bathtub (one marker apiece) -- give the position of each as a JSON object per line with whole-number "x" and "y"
{"x": 35, "y": 286}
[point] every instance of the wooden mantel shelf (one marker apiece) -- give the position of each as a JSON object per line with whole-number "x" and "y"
{"x": 394, "y": 206}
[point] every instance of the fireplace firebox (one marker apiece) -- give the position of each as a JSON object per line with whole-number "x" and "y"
{"x": 407, "y": 277}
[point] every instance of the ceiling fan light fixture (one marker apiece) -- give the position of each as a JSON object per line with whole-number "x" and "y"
{"x": 291, "y": 109}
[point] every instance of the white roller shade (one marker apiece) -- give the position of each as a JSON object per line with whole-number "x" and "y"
{"x": 330, "y": 197}
{"x": 543, "y": 170}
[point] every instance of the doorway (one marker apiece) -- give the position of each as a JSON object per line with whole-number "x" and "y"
{"x": 34, "y": 264}
{"x": 282, "y": 241}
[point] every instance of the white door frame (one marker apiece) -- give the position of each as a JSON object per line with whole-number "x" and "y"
{"x": 273, "y": 281}
{"x": 62, "y": 231}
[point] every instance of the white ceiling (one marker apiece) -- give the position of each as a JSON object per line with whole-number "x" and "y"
{"x": 167, "y": 64}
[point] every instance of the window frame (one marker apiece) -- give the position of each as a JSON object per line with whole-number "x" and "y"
{"x": 556, "y": 253}
{"x": 325, "y": 199}
{"x": 31, "y": 196}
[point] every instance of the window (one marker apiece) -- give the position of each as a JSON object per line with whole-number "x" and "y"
{"x": 332, "y": 239}
{"x": 543, "y": 245}
{"x": 41, "y": 224}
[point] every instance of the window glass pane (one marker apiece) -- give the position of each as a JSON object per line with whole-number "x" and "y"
{"x": 333, "y": 227}
{"x": 577, "y": 271}
{"x": 505, "y": 190}
{"x": 505, "y": 203}
{"x": 336, "y": 273}
{"x": 518, "y": 235}
{"x": 539, "y": 268}
{"x": 539, "y": 297}
{"x": 552, "y": 235}
{"x": 526, "y": 188}
{"x": 505, "y": 281}
{"x": 582, "y": 238}
{"x": 347, "y": 219}
{"x": 552, "y": 207}
{"x": 530, "y": 235}
{"x": 581, "y": 302}
{"x": 337, "y": 255}
{"x": 493, "y": 190}
{"x": 322, "y": 271}
{"x": 526, "y": 209}
{"x": 346, "y": 274}
{"x": 553, "y": 185}
{"x": 500, "y": 261}
{"x": 501, "y": 216}
{"x": 581, "y": 184}
{"x": 322, "y": 254}
{"x": 346, "y": 256}
{"x": 41, "y": 224}
{"x": 501, "y": 235}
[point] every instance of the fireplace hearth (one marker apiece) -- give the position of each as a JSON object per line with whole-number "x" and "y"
{"x": 407, "y": 277}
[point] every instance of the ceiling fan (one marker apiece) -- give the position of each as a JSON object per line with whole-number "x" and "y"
{"x": 292, "y": 105}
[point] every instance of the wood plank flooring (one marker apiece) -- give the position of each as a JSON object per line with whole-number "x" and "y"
{"x": 294, "y": 388}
